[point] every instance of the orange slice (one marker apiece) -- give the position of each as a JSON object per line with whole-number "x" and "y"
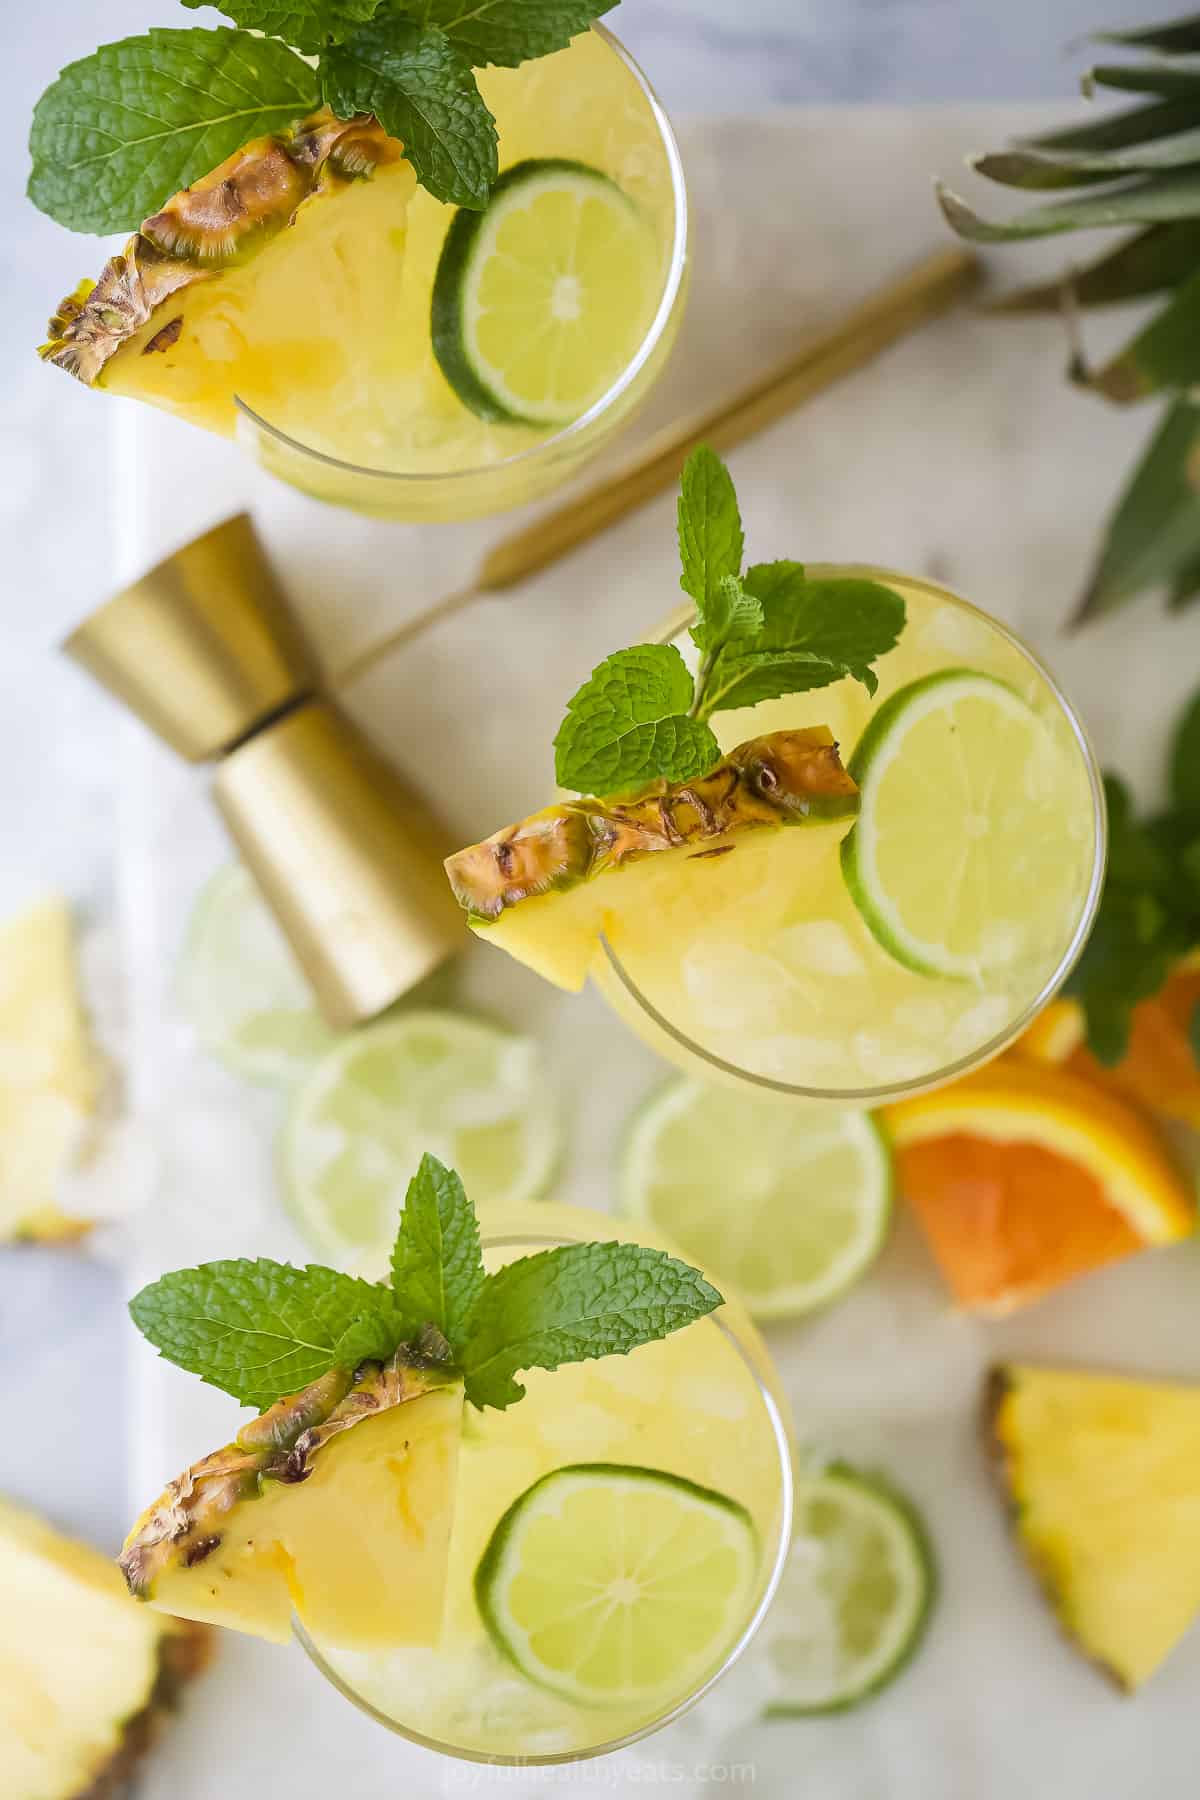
{"x": 1024, "y": 1176}
{"x": 1159, "y": 1068}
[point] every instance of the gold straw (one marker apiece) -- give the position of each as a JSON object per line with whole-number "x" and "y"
{"x": 892, "y": 312}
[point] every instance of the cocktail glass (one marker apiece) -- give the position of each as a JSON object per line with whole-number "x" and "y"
{"x": 703, "y": 1405}
{"x": 430, "y": 457}
{"x": 772, "y": 978}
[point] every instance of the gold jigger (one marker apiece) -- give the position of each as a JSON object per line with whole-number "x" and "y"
{"x": 205, "y": 651}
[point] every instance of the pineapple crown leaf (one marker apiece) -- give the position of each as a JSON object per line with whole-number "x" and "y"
{"x": 260, "y": 1330}
{"x": 1138, "y": 166}
{"x": 121, "y": 130}
{"x": 1150, "y": 911}
{"x": 642, "y": 716}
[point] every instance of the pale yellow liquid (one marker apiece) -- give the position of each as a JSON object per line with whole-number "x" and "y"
{"x": 404, "y": 419}
{"x": 772, "y": 974}
{"x": 694, "y": 1404}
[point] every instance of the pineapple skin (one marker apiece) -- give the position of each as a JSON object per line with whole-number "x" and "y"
{"x": 221, "y": 221}
{"x": 182, "y": 1652}
{"x": 227, "y": 1543}
{"x": 787, "y": 777}
{"x": 1009, "y": 1442}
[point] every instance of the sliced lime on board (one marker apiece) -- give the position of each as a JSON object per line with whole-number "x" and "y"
{"x": 240, "y": 988}
{"x": 614, "y": 1585}
{"x": 855, "y": 1597}
{"x": 956, "y": 859}
{"x": 541, "y": 301}
{"x": 790, "y": 1206}
{"x": 473, "y": 1094}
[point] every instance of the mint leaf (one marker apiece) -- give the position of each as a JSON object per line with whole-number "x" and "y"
{"x": 121, "y": 131}
{"x": 437, "y": 1269}
{"x": 572, "y": 1304}
{"x": 259, "y": 1330}
{"x": 305, "y": 24}
{"x": 629, "y": 725}
{"x": 847, "y": 621}
{"x": 509, "y": 32}
{"x": 1185, "y": 759}
{"x": 732, "y": 612}
{"x": 744, "y": 677}
{"x": 710, "y": 531}
{"x": 1194, "y": 1032}
{"x": 423, "y": 93}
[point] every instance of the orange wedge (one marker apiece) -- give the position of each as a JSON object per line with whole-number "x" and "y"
{"x": 1024, "y": 1176}
{"x": 1159, "y": 1068}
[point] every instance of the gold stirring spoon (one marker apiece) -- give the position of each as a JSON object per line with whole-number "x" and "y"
{"x": 901, "y": 306}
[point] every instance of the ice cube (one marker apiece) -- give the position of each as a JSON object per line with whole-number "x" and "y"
{"x": 954, "y": 629}
{"x": 732, "y": 988}
{"x": 1002, "y": 941}
{"x": 981, "y": 1021}
{"x": 818, "y": 946}
{"x": 790, "y": 1056}
{"x": 924, "y": 1018}
{"x": 887, "y": 1063}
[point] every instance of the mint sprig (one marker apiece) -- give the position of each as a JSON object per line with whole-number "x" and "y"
{"x": 122, "y": 130}
{"x": 260, "y": 1329}
{"x": 642, "y": 716}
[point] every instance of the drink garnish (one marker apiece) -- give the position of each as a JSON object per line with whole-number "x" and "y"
{"x": 122, "y": 129}
{"x": 762, "y": 633}
{"x": 260, "y": 1329}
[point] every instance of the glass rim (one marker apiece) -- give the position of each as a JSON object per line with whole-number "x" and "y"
{"x": 886, "y": 1093}
{"x": 763, "y": 1603}
{"x": 548, "y": 447}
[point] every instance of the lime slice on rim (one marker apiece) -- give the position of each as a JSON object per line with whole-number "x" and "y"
{"x": 789, "y": 1205}
{"x": 241, "y": 989}
{"x": 541, "y": 301}
{"x": 958, "y": 860}
{"x": 613, "y": 1585}
{"x": 855, "y": 1597}
{"x": 474, "y": 1095}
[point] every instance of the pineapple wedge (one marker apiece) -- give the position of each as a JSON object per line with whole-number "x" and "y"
{"x": 274, "y": 279}
{"x": 535, "y": 890}
{"x": 334, "y": 1505}
{"x": 1103, "y": 1476}
{"x": 51, "y": 1076}
{"x": 85, "y": 1677}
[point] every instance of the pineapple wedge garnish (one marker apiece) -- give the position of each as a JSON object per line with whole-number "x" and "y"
{"x": 1103, "y": 1476}
{"x": 85, "y": 1678}
{"x": 533, "y": 888}
{"x": 334, "y": 1505}
{"x": 51, "y": 1075}
{"x": 273, "y": 279}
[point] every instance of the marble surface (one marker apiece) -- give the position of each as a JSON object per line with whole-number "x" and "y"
{"x": 959, "y": 454}
{"x": 67, "y": 506}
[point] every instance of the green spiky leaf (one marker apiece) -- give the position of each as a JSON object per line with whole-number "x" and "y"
{"x": 1154, "y": 532}
{"x": 1164, "y": 354}
{"x": 1178, "y": 77}
{"x": 1157, "y": 199}
{"x": 1146, "y": 263}
{"x": 1136, "y": 125}
{"x": 1174, "y": 35}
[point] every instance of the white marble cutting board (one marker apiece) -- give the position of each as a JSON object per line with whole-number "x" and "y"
{"x": 962, "y": 455}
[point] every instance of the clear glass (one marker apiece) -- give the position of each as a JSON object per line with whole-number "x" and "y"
{"x": 413, "y": 450}
{"x": 704, "y": 1404}
{"x": 773, "y": 978}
